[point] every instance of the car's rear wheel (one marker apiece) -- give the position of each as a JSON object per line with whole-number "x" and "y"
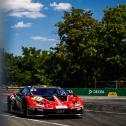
{"x": 9, "y": 105}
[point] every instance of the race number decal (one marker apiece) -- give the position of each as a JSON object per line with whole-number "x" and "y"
{"x": 37, "y": 98}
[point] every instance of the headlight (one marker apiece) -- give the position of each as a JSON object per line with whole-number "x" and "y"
{"x": 76, "y": 103}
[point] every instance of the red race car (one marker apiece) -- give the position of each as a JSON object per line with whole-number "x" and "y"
{"x": 38, "y": 100}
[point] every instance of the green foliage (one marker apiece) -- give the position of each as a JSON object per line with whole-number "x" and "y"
{"x": 28, "y": 68}
{"x": 113, "y": 32}
{"x": 88, "y": 50}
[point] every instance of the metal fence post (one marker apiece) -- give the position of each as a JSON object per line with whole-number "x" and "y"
{"x": 116, "y": 84}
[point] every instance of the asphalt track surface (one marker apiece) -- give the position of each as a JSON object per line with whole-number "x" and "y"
{"x": 97, "y": 112}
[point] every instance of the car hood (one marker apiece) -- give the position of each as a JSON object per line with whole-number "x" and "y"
{"x": 57, "y": 102}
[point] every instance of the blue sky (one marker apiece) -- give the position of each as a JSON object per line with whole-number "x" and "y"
{"x": 30, "y": 23}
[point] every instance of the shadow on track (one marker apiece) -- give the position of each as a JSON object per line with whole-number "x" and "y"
{"x": 46, "y": 117}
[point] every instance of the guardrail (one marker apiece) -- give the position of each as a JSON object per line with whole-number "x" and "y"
{"x": 13, "y": 89}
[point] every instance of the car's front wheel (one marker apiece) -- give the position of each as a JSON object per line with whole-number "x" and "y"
{"x": 25, "y": 108}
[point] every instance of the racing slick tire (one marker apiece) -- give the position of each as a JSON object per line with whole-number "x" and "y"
{"x": 9, "y": 105}
{"x": 25, "y": 108}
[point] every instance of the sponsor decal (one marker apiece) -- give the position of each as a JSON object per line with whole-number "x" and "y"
{"x": 12, "y": 97}
{"x": 70, "y": 91}
{"x": 61, "y": 107}
{"x": 112, "y": 94}
{"x": 96, "y": 91}
{"x": 60, "y": 111}
{"x": 31, "y": 108}
{"x": 39, "y": 109}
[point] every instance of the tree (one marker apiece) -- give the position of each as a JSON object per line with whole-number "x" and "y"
{"x": 30, "y": 68}
{"x": 113, "y": 35}
{"x": 78, "y": 37}
{"x": 88, "y": 51}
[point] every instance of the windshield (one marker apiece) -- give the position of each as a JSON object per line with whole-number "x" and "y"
{"x": 49, "y": 91}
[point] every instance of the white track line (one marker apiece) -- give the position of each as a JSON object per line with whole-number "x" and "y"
{"x": 105, "y": 112}
{"x": 56, "y": 124}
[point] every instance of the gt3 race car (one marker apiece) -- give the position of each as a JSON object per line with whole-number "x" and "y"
{"x": 38, "y": 100}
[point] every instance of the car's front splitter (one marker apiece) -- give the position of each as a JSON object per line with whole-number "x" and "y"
{"x": 41, "y": 111}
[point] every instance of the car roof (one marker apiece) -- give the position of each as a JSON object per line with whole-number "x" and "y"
{"x": 42, "y": 86}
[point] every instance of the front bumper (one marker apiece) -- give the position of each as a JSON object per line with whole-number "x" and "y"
{"x": 41, "y": 111}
